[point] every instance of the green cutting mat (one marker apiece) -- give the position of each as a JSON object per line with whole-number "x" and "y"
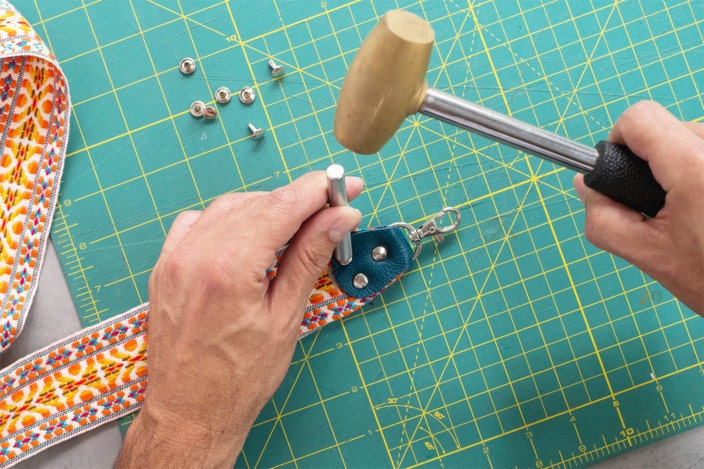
{"x": 512, "y": 343}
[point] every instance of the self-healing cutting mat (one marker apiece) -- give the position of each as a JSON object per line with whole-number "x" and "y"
{"x": 513, "y": 342}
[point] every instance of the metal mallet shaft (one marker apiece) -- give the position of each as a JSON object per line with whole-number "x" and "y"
{"x": 502, "y": 128}
{"x": 337, "y": 196}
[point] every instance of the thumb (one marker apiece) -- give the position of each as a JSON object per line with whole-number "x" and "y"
{"x": 308, "y": 253}
{"x": 610, "y": 225}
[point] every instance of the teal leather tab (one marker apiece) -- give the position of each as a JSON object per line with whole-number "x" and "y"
{"x": 379, "y": 274}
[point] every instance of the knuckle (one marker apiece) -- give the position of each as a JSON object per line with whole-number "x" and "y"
{"x": 283, "y": 197}
{"x": 635, "y": 113}
{"x": 185, "y": 216}
{"x": 224, "y": 203}
{"x": 174, "y": 266}
{"x": 644, "y": 105}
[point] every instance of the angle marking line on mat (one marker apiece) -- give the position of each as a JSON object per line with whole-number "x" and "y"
{"x": 455, "y": 38}
{"x": 90, "y": 158}
{"x": 568, "y": 68}
{"x": 504, "y": 336}
{"x": 304, "y": 20}
{"x": 321, "y": 400}
{"x": 575, "y": 88}
{"x": 277, "y": 420}
{"x": 660, "y": 57}
{"x": 431, "y": 386}
{"x": 173, "y": 124}
{"x": 447, "y": 360}
{"x": 160, "y": 216}
{"x": 582, "y": 311}
{"x": 43, "y": 21}
{"x": 211, "y": 93}
{"x": 387, "y": 186}
{"x": 586, "y": 66}
{"x": 639, "y": 337}
{"x": 187, "y": 18}
{"x": 261, "y": 98}
{"x": 455, "y": 301}
{"x": 281, "y": 414}
{"x": 364, "y": 386}
{"x": 306, "y": 96}
{"x": 170, "y": 165}
{"x": 557, "y": 415}
{"x": 326, "y": 80}
{"x": 401, "y": 457}
{"x": 575, "y": 356}
{"x": 122, "y": 39}
{"x": 480, "y": 33}
{"x": 383, "y": 309}
{"x": 413, "y": 391}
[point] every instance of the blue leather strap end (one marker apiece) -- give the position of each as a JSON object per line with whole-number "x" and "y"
{"x": 379, "y": 274}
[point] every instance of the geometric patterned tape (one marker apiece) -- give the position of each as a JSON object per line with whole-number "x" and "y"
{"x": 34, "y": 119}
{"x": 100, "y": 374}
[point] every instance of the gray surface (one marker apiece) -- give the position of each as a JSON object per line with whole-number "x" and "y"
{"x": 53, "y": 317}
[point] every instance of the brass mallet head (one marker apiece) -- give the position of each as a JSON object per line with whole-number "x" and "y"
{"x": 385, "y": 82}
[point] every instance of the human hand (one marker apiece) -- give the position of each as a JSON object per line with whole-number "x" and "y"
{"x": 221, "y": 335}
{"x": 670, "y": 246}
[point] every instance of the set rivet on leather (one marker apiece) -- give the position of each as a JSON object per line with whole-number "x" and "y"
{"x": 379, "y": 273}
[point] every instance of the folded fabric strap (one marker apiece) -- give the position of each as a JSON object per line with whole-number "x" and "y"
{"x": 99, "y": 373}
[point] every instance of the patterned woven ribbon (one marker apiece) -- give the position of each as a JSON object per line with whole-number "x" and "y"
{"x": 99, "y": 373}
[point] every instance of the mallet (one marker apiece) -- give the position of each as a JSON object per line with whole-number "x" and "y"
{"x": 386, "y": 83}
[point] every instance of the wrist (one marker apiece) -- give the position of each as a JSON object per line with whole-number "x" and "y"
{"x": 157, "y": 440}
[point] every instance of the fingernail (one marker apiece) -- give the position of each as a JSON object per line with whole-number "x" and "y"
{"x": 579, "y": 188}
{"x": 349, "y": 178}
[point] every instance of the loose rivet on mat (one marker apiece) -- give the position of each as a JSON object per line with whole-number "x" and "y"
{"x": 256, "y": 132}
{"x": 210, "y": 112}
{"x": 197, "y": 108}
{"x": 360, "y": 281}
{"x": 379, "y": 253}
{"x": 276, "y": 69}
{"x": 187, "y": 66}
{"x": 222, "y": 95}
{"x": 247, "y": 95}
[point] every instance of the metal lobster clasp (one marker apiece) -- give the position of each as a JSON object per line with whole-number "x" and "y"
{"x": 432, "y": 228}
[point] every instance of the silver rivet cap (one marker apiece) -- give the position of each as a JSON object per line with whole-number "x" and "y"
{"x": 197, "y": 108}
{"x": 187, "y": 66}
{"x": 222, "y": 95}
{"x": 360, "y": 281}
{"x": 379, "y": 253}
{"x": 247, "y": 95}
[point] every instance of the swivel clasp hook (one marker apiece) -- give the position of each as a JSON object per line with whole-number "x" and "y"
{"x": 432, "y": 228}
